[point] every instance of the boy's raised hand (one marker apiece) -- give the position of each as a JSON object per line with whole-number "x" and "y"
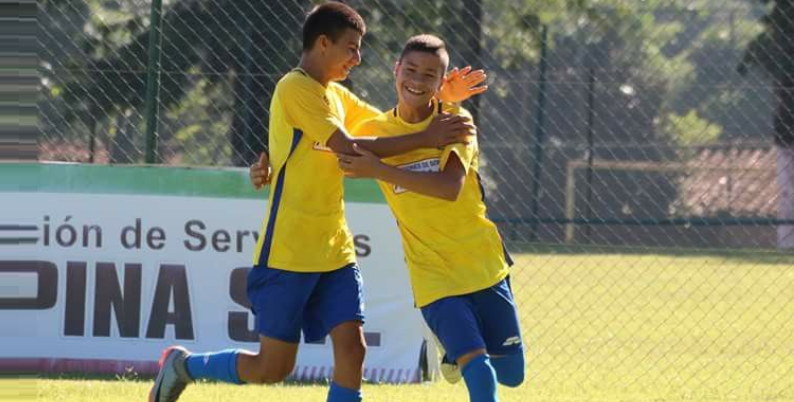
{"x": 259, "y": 172}
{"x": 460, "y": 85}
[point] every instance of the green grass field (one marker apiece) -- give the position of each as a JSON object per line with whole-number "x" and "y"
{"x": 599, "y": 325}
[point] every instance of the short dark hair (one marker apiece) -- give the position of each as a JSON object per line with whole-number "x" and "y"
{"x": 330, "y": 19}
{"x": 428, "y": 44}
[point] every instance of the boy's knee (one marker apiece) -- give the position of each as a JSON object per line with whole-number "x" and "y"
{"x": 349, "y": 343}
{"x": 354, "y": 350}
{"x": 509, "y": 369}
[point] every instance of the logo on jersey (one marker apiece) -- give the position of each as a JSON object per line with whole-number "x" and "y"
{"x": 427, "y": 165}
{"x": 513, "y": 340}
{"x": 320, "y": 147}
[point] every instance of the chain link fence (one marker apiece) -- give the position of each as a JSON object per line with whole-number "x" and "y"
{"x": 638, "y": 157}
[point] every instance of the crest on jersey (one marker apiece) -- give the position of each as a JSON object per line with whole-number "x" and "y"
{"x": 425, "y": 165}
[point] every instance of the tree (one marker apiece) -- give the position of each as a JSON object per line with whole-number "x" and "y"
{"x": 218, "y": 40}
{"x": 773, "y": 52}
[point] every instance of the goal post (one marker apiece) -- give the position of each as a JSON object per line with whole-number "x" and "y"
{"x": 626, "y": 166}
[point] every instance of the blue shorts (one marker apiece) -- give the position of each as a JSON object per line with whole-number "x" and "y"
{"x": 285, "y": 302}
{"x": 486, "y": 319}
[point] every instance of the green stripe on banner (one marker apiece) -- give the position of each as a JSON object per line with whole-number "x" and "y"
{"x": 150, "y": 180}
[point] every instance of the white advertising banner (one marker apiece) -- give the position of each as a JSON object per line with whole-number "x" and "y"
{"x": 101, "y": 278}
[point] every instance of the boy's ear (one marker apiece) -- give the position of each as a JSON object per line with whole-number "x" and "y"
{"x": 396, "y": 67}
{"x": 323, "y": 42}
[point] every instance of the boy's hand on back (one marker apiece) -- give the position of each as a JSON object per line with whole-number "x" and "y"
{"x": 460, "y": 85}
{"x": 363, "y": 164}
{"x": 259, "y": 172}
{"x": 448, "y": 129}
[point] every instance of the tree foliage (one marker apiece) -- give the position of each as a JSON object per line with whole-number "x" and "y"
{"x": 773, "y": 52}
{"x": 653, "y": 63}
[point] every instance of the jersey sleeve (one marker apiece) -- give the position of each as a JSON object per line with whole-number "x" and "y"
{"x": 356, "y": 110}
{"x": 465, "y": 152}
{"x": 374, "y": 127}
{"x": 364, "y": 129}
{"x": 308, "y": 110}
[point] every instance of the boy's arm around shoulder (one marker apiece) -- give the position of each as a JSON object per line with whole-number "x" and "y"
{"x": 445, "y": 184}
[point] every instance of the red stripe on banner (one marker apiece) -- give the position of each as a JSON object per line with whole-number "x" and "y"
{"x": 88, "y": 366}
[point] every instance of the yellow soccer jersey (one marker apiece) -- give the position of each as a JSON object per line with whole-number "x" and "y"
{"x": 451, "y": 248}
{"x": 305, "y": 228}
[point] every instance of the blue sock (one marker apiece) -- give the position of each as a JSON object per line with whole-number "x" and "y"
{"x": 509, "y": 369}
{"x": 480, "y": 379}
{"x": 221, "y": 366}
{"x": 342, "y": 394}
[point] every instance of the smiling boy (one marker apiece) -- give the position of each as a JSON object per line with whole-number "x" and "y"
{"x": 457, "y": 262}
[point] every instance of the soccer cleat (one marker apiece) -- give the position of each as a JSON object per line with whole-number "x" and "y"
{"x": 173, "y": 376}
{"x": 449, "y": 370}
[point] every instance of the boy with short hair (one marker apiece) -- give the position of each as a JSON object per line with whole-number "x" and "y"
{"x": 305, "y": 277}
{"x": 457, "y": 262}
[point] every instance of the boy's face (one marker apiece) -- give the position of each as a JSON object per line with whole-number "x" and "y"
{"x": 341, "y": 56}
{"x": 418, "y": 78}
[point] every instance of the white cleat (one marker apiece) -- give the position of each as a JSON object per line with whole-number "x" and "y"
{"x": 173, "y": 376}
{"x": 449, "y": 370}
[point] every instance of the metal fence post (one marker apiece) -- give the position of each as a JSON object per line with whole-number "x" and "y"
{"x": 540, "y": 133}
{"x": 591, "y": 81}
{"x": 153, "y": 81}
